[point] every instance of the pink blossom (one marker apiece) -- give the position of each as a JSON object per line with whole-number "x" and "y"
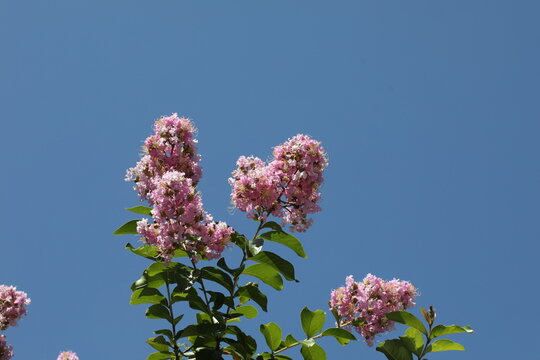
{"x": 167, "y": 177}
{"x": 287, "y": 187}
{"x": 171, "y": 148}
{"x": 6, "y": 351}
{"x": 12, "y": 306}
{"x": 370, "y": 301}
{"x": 67, "y": 355}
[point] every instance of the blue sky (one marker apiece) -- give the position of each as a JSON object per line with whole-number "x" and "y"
{"x": 428, "y": 110}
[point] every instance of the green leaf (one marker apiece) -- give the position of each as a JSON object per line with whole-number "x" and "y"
{"x": 441, "y": 330}
{"x": 289, "y": 340}
{"x": 413, "y": 341}
{"x": 199, "y": 330}
{"x": 248, "y": 311}
{"x": 285, "y": 239}
{"x": 277, "y": 262}
{"x": 147, "y": 251}
{"x": 156, "y": 268}
{"x": 251, "y": 291}
{"x": 128, "y": 228}
{"x": 266, "y": 273}
{"x": 148, "y": 281}
{"x": 145, "y": 210}
{"x": 159, "y": 343}
{"x": 159, "y": 311}
{"x": 444, "y": 345}
{"x": 313, "y": 352}
{"x": 218, "y": 276}
{"x": 282, "y": 357}
{"x": 168, "y": 333}
{"x": 272, "y": 225}
{"x": 223, "y": 264}
{"x": 407, "y": 318}
{"x": 146, "y": 296}
{"x": 252, "y": 248}
{"x": 394, "y": 350}
{"x": 272, "y": 335}
{"x": 312, "y": 321}
{"x": 341, "y": 335}
{"x": 160, "y": 356}
{"x": 179, "y": 253}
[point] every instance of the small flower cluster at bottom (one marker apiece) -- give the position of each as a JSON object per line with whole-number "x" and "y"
{"x": 67, "y": 355}
{"x": 369, "y": 301}
{"x": 6, "y": 351}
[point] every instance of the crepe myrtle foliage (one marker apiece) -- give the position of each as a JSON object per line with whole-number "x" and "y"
{"x": 179, "y": 238}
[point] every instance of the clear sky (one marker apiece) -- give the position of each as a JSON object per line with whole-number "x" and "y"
{"x": 429, "y": 111}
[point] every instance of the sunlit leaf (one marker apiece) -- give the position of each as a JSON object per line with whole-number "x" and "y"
{"x": 342, "y": 336}
{"x": 312, "y": 321}
{"x": 265, "y": 273}
{"x": 145, "y": 210}
{"x": 128, "y": 228}
{"x": 441, "y": 330}
{"x": 407, "y": 318}
{"x": 272, "y": 335}
{"x": 394, "y": 350}
{"x": 277, "y": 262}
{"x": 313, "y": 352}
{"x": 444, "y": 345}
{"x": 413, "y": 340}
{"x": 285, "y": 239}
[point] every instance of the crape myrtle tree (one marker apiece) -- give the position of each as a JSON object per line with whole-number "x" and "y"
{"x": 180, "y": 238}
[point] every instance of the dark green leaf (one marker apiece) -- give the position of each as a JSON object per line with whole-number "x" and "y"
{"x": 265, "y": 273}
{"x": 413, "y": 341}
{"x": 407, "y": 318}
{"x": 313, "y": 352}
{"x": 168, "y": 333}
{"x": 147, "y": 251}
{"x": 441, "y": 330}
{"x": 145, "y": 210}
{"x": 178, "y": 319}
{"x": 158, "y": 311}
{"x": 148, "y": 281}
{"x": 341, "y": 335}
{"x": 283, "y": 357}
{"x": 218, "y": 276}
{"x": 394, "y": 350}
{"x": 222, "y": 264}
{"x": 272, "y": 335}
{"x": 285, "y": 239}
{"x": 128, "y": 228}
{"x": 251, "y": 291}
{"x": 444, "y": 345}
{"x": 277, "y": 262}
{"x": 199, "y": 330}
{"x": 146, "y": 296}
{"x": 312, "y": 321}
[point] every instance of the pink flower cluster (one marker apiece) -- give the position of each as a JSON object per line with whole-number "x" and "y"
{"x": 166, "y": 177}
{"x": 370, "y": 301}
{"x": 287, "y": 187}
{"x": 6, "y": 351}
{"x": 12, "y": 306}
{"x": 67, "y": 355}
